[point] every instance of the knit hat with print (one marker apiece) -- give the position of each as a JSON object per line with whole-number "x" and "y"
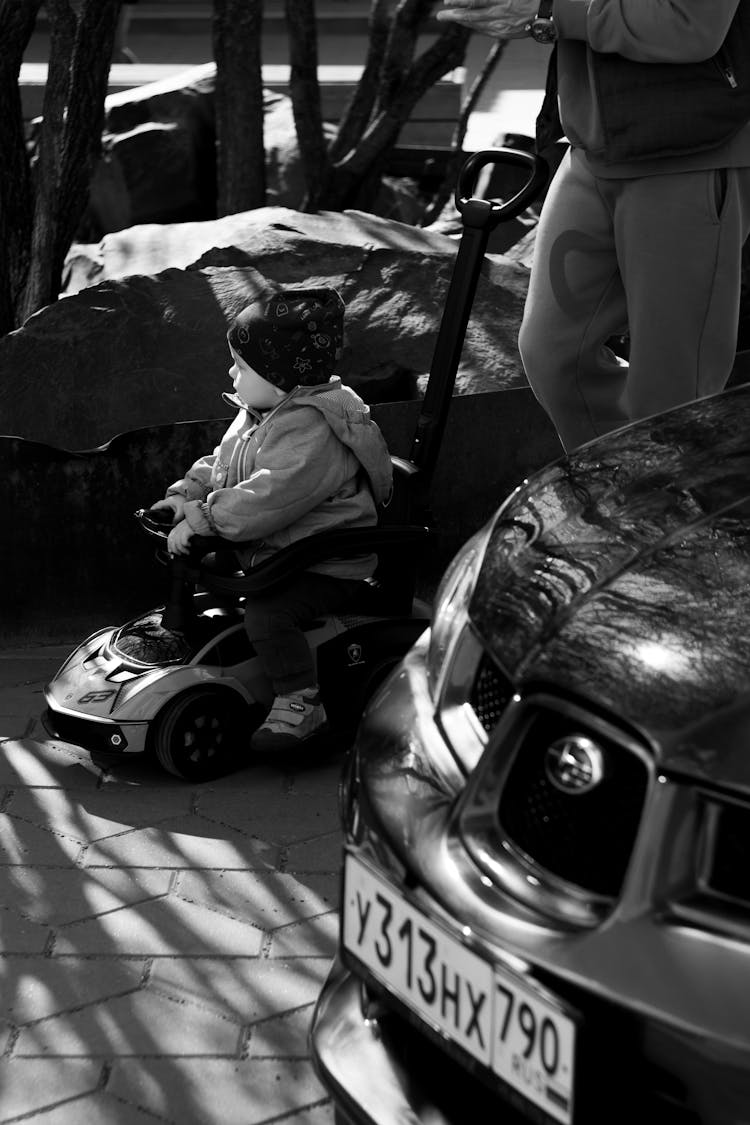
{"x": 292, "y": 337}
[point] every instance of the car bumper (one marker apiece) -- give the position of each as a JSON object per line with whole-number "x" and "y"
{"x": 663, "y": 1027}
{"x": 98, "y": 736}
{"x": 380, "y": 1071}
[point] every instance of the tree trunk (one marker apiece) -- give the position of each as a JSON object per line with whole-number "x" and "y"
{"x": 241, "y": 170}
{"x": 70, "y": 137}
{"x": 16, "y": 203}
{"x": 305, "y": 93}
{"x": 396, "y": 100}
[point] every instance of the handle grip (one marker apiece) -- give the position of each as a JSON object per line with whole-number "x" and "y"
{"x": 499, "y": 212}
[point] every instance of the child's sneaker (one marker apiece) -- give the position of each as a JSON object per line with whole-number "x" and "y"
{"x": 292, "y": 720}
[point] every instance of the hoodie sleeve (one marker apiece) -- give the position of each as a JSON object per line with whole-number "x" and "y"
{"x": 195, "y": 484}
{"x": 299, "y": 464}
{"x": 670, "y": 31}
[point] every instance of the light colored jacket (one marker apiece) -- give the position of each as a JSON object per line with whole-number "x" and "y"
{"x": 314, "y": 462}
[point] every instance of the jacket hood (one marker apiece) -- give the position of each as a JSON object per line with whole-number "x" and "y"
{"x": 622, "y": 574}
{"x": 349, "y": 418}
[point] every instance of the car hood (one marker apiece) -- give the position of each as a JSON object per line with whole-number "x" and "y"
{"x": 622, "y": 574}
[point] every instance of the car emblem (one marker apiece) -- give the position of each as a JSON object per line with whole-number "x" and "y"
{"x": 574, "y": 764}
{"x": 354, "y": 652}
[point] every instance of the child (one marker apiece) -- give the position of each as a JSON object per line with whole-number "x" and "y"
{"x": 302, "y": 456}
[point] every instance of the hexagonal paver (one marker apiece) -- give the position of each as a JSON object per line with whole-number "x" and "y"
{"x": 161, "y": 927}
{"x": 323, "y": 853}
{"x": 18, "y": 935}
{"x": 244, "y": 1092}
{"x": 38, "y": 989}
{"x": 95, "y": 814}
{"x": 281, "y": 1036}
{"x": 24, "y": 843}
{"x": 246, "y": 988}
{"x": 56, "y": 896}
{"x": 29, "y": 1087}
{"x": 268, "y": 900}
{"x": 188, "y": 841}
{"x": 141, "y": 1023}
{"x": 28, "y": 762}
{"x": 284, "y": 821}
{"x": 315, "y": 937}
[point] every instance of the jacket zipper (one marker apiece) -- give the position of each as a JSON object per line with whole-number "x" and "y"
{"x": 724, "y": 63}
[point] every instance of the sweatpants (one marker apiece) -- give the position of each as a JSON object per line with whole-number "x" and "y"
{"x": 657, "y": 257}
{"x": 275, "y": 622}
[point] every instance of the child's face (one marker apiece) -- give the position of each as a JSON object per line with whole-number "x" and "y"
{"x": 251, "y": 387}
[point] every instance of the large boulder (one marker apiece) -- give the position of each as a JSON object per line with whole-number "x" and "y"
{"x": 146, "y": 344}
{"x": 158, "y": 154}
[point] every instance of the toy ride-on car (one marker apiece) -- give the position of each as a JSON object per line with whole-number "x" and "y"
{"x": 182, "y": 680}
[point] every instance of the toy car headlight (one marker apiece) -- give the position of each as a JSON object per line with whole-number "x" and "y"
{"x": 451, "y": 605}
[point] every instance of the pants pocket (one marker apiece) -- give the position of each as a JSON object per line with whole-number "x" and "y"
{"x": 718, "y": 193}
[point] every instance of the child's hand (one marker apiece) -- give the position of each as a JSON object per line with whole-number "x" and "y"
{"x": 178, "y": 541}
{"x": 175, "y": 503}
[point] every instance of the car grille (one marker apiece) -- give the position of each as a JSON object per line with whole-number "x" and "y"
{"x": 583, "y": 838}
{"x": 490, "y": 693}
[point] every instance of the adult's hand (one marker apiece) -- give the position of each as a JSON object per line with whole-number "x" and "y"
{"x": 503, "y": 19}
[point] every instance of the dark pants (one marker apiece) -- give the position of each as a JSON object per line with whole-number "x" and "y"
{"x": 275, "y": 623}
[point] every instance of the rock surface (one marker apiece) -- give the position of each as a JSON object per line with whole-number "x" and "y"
{"x": 146, "y": 344}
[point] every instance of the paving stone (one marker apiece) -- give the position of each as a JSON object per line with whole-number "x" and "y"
{"x": 281, "y": 1036}
{"x": 282, "y": 822}
{"x": 97, "y": 814}
{"x": 102, "y": 1109}
{"x": 162, "y": 927}
{"x": 37, "y": 989}
{"x": 18, "y": 935}
{"x": 197, "y": 1091}
{"x": 24, "y": 843}
{"x": 269, "y": 900}
{"x": 247, "y": 989}
{"x": 28, "y": 762}
{"x": 57, "y": 896}
{"x": 315, "y": 937}
{"x": 32, "y": 1086}
{"x": 140, "y": 1024}
{"x": 188, "y": 841}
{"x": 290, "y": 827}
{"x": 324, "y": 853}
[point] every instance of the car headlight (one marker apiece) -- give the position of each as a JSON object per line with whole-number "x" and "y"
{"x": 450, "y": 612}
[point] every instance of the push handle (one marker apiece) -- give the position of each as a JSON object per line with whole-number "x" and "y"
{"x": 500, "y": 211}
{"x": 479, "y": 217}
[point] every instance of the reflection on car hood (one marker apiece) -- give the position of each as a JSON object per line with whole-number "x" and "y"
{"x": 622, "y": 573}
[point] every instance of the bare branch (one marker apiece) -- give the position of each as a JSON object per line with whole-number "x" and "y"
{"x": 357, "y": 113}
{"x": 457, "y": 141}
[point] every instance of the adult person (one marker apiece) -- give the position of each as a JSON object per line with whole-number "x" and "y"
{"x": 643, "y": 225}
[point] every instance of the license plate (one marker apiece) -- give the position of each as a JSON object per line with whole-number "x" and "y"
{"x": 503, "y": 1020}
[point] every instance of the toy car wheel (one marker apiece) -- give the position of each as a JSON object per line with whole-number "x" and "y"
{"x": 202, "y": 734}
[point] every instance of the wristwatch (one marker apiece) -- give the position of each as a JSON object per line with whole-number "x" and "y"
{"x": 542, "y": 27}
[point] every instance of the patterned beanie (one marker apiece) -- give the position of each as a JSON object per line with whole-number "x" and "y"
{"x": 292, "y": 337}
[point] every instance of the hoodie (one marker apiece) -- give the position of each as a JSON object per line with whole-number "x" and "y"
{"x": 315, "y": 462}
{"x": 653, "y": 87}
